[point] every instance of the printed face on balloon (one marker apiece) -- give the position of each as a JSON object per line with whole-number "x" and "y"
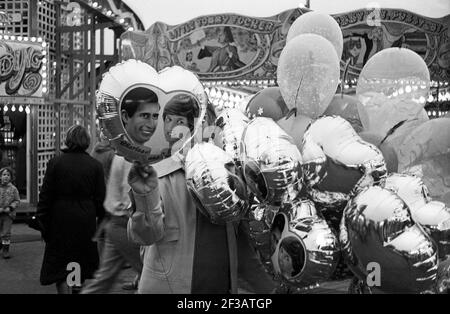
{"x": 288, "y": 250}
{"x": 156, "y": 123}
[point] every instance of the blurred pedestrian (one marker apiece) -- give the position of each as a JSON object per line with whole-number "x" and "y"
{"x": 9, "y": 200}
{"x": 103, "y": 152}
{"x": 140, "y": 106}
{"x": 70, "y": 202}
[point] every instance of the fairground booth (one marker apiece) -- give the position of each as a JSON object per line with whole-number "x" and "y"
{"x": 52, "y": 55}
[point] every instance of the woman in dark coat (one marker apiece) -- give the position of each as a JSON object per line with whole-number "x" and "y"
{"x": 70, "y": 202}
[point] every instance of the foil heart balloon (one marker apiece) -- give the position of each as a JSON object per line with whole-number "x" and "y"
{"x": 337, "y": 162}
{"x": 231, "y": 123}
{"x": 433, "y": 216}
{"x": 305, "y": 250}
{"x": 271, "y": 162}
{"x": 377, "y": 229}
{"x": 132, "y": 86}
{"x": 218, "y": 192}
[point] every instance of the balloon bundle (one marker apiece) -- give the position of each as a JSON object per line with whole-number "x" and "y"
{"x": 320, "y": 169}
{"x": 316, "y": 173}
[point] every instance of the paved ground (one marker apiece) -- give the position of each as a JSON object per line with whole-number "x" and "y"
{"x": 20, "y": 274}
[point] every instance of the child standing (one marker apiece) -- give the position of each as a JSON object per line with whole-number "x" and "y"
{"x": 9, "y": 200}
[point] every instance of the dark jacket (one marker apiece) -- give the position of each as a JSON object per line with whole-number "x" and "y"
{"x": 70, "y": 200}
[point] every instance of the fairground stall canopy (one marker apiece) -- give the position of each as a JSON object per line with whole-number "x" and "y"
{"x": 254, "y": 45}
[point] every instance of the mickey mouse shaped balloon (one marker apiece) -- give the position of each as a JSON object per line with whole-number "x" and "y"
{"x": 304, "y": 249}
{"x": 148, "y": 116}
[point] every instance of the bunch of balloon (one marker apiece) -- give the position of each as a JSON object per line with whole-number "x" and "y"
{"x": 271, "y": 165}
{"x": 402, "y": 230}
{"x": 308, "y": 70}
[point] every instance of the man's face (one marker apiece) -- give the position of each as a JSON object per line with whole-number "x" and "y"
{"x": 170, "y": 122}
{"x": 141, "y": 126}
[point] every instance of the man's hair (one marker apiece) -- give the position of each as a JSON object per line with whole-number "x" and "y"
{"x": 182, "y": 105}
{"x": 77, "y": 138}
{"x": 137, "y": 96}
{"x": 295, "y": 250}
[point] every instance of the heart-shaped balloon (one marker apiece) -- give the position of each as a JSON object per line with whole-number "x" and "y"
{"x": 377, "y": 231}
{"x": 305, "y": 250}
{"x": 432, "y": 215}
{"x": 122, "y": 88}
{"x": 337, "y": 162}
{"x": 218, "y": 192}
{"x": 271, "y": 162}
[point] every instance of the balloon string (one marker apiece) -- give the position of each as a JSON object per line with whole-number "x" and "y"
{"x": 392, "y": 130}
{"x": 344, "y": 76}
{"x": 296, "y": 94}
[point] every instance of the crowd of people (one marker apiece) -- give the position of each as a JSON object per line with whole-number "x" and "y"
{"x": 104, "y": 212}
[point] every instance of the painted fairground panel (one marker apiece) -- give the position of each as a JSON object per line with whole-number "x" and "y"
{"x": 222, "y": 46}
{"x": 365, "y": 36}
{"x": 229, "y": 46}
{"x": 23, "y": 71}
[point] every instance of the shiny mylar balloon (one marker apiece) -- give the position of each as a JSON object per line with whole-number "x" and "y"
{"x": 218, "y": 192}
{"x": 377, "y": 232}
{"x": 389, "y": 154}
{"x": 295, "y": 125}
{"x": 308, "y": 74}
{"x": 392, "y": 87}
{"x": 305, "y": 250}
{"x": 231, "y": 123}
{"x": 425, "y": 152}
{"x": 337, "y": 162}
{"x": 271, "y": 161}
{"x": 137, "y": 78}
{"x": 320, "y": 24}
{"x": 267, "y": 103}
{"x": 432, "y": 215}
{"x": 346, "y": 107}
